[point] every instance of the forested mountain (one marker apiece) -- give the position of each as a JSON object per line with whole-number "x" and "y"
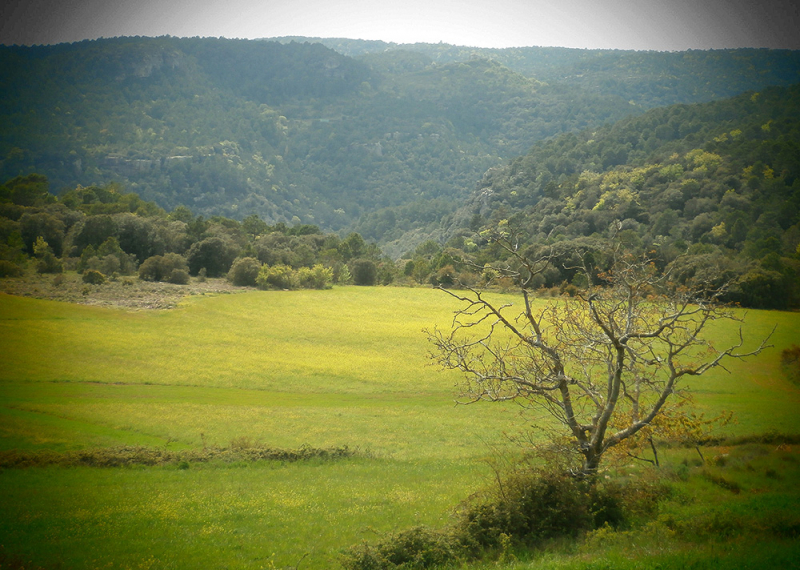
{"x": 713, "y": 188}
{"x": 292, "y": 132}
{"x": 299, "y": 133}
{"x": 647, "y": 78}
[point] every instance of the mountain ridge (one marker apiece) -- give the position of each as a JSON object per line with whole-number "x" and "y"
{"x": 297, "y": 132}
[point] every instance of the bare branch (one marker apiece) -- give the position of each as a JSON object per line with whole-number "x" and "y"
{"x": 605, "y": 365}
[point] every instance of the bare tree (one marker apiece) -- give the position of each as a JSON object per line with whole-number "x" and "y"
{"x": 605, "y": 364}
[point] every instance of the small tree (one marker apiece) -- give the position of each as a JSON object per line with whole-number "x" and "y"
{"x": 215, "y": 254}
{"x": 48, "y": 262}
{"x": 365, "y": 272}
{"x": 244, "y": 272}
{"x": 161, "y": 267}
{"x": 605, "y": 364}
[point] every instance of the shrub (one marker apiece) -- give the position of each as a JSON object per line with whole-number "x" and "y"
{"x": 9, "y": 269}
{"x": 341, "y": 274}
{"x": 416, "y": 548}
{"x": 214, "y": 253}
{"x": 107, "y": 264}
{"x": 49, "y": 263}
{"x": 93, "y": 277}
{"x": 446, "y": 277}
{"x": 532, "y": 506}
{"x": 276, "y": 277}
{"x": 364, "y": 272}
{"x": 161, "y": 267}
{"x": 179, "y": 276}
{"x": 151, "y": 269}
{"x": 527, "y": 507}
{"x": 317, "y": 277}
{"x": 244, "y": 272}
{"x": 108, "y": 258}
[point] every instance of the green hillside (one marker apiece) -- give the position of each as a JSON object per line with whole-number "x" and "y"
{"x": 719, "y": 181}
{"x": 297, "y": 132}
{"x": 292, "y": 132}
{"x": 648, "y": 78}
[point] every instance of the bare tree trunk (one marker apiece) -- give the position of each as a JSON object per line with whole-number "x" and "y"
{"x": 700, "y": 453}
{"x": 655, "y": 453}
{"x": 591, "y": 461}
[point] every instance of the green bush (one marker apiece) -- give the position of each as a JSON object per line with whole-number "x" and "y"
{"x": 317, "y": 277}
{"x": 215, "y": 254}
{"x": 364, "y": 272}
{"x": 107, "y": 264}
{"x": 446, "y": 277}
{"x": 412, "y": 549}
{"x": 9, "y": 269}
{"x": 179, "y": 277}
{"x": 532, "y": 506}
{"x": 161, "y": 267}
{"x": 276, "y": 277}
{"x": 93, "y": 277}
{"x": 244, "y": 272}
{"x": 108, "y": 258}
{"x": 341, "y": 274}
{"x": 526, "y": 508}
{"x": 49, "y": 263}
{"x": 151, "y": 269}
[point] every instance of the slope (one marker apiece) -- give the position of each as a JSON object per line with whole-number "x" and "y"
{"x": 293, "y": 133}
{"x": 718, "y": 181}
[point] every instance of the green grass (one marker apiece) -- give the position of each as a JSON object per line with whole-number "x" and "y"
{"x": 699, "y": 524}
{"x": 341, "y": 367}
{"x": 218, "y": 516}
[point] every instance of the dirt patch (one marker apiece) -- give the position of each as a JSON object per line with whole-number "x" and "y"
{"x": 124, "y": 292}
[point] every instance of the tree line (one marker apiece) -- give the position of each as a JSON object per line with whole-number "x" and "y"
{"x": 105, "y": 232}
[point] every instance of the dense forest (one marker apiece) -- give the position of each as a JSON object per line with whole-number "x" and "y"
{"x": 294, "y": 133}
{"x": 711, "y": 190}
{"x": 173, "y": 157}
{"x": 647, "y": 78}
{"x": 299, "y": 133}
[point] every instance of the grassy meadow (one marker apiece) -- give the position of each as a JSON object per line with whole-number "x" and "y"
{"x": 343, "y": 367}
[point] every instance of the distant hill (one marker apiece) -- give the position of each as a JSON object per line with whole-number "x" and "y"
{"x": 293, "y": 132}
{"x": 647, "y": 78}
{"x": 719, "y": 181}
{"x": 387, "y": 142}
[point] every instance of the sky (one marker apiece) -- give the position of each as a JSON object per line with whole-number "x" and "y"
{"x": 663, "y": 25}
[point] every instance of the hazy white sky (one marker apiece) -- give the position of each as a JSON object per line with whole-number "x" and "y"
{"x": 621, "y": 24}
